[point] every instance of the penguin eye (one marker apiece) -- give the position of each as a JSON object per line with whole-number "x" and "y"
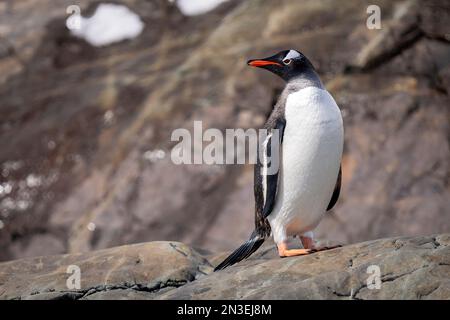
{"x": 287, "y": 61}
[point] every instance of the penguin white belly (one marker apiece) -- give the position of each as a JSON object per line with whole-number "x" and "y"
{"x": 311, "y": 156}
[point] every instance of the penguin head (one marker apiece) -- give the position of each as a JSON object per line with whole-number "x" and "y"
{"x": 287, "y": 64}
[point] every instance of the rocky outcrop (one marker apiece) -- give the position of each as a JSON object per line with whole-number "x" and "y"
{"x": 408, "y": 268}
{"x": 134, "y": 272}
{"x": 79, "y": 124}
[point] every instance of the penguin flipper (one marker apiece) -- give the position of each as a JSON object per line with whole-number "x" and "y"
{"x": 337, "y": 190}
{"x": 269, "y": 178}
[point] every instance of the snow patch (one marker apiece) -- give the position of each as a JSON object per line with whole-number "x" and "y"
{"x": 110, "y": 23}
{"x": 197, "y": 7}
{"x": 91, "y": 226}
{"x": 154, "y": 155}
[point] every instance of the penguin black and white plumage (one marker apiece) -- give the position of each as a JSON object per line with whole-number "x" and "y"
{"x": 293, "y": 200}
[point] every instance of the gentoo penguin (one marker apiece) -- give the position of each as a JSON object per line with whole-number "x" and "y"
{"x": 293, "y": 200}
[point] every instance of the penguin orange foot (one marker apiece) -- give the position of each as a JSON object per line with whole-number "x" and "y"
{"x": 283, "y": 251}
{"x": 308, "y": 243}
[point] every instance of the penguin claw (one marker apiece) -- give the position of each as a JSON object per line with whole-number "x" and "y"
{"x": 326, "y": 248}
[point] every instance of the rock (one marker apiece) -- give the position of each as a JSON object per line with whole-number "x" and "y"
{"x": 409, "y": 268}
{"x": 128, "y": 272}
{"x": 78, "y": 120}
{"x": 402, "y": 31}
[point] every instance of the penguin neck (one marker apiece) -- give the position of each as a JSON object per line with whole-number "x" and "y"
{"x": 307, "y": 78}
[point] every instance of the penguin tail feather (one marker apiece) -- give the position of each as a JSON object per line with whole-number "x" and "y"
{"x": 243, "y": 252}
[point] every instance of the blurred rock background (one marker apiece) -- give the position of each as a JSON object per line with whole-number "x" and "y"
{"x": 83, "y": 128}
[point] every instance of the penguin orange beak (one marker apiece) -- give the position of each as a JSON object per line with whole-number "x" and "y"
{"x": 262, "y": 63}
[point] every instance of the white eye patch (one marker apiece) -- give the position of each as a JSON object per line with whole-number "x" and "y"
{"x": 292, "y": 54}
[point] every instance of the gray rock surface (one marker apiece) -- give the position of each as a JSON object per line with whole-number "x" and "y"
{"x": 410, "y": 268}
{"x": 128, "y": 272}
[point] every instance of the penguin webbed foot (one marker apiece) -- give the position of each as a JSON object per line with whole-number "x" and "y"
{"x": 308, "y": 243}
{"x": 284, "y": 252}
